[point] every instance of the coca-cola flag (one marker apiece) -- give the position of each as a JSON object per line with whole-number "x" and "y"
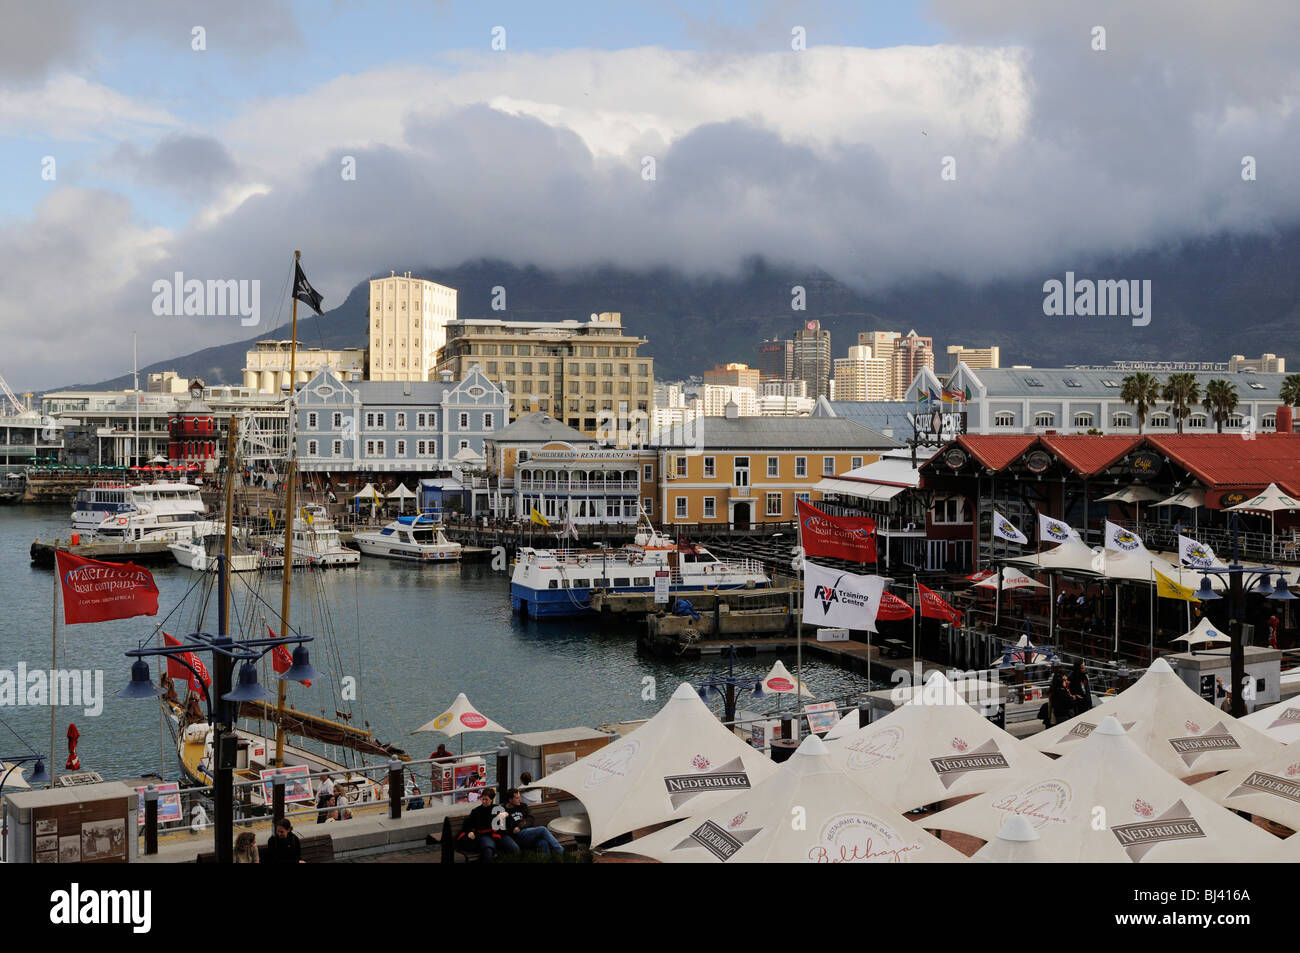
{"x": 95, "y": 591}
{"x": 281, "y": 660}
{"x": 839, "y": 537}
{"x": 934, "y": 607}
{"x": 176, "y": 671}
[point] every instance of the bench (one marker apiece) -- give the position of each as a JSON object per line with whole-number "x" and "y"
{"x": 317, "y": 849}
{"x": 543, "y": 813}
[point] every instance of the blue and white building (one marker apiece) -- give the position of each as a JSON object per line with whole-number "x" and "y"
{"x": 396, "y": 426}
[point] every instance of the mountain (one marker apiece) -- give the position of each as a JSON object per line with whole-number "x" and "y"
{"x": 1209, "y": 299}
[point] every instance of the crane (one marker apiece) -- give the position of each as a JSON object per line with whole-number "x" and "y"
{"x": 19, "y": 408}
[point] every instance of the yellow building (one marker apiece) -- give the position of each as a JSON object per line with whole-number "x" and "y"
{"x": 407, "y": 321}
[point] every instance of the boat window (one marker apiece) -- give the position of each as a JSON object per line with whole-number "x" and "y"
{"x": 552, "y": 585}
{"x": 602, "y": 583}
{"x": 641, "y": 581}
{"x": 581, "y": 583}
{"x": 565, "y": 584}
{"x": 621, "y": 582}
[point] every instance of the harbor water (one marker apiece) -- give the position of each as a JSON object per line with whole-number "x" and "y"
{"x": 406, "y": 637}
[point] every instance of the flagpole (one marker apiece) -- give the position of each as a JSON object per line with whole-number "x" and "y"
{"x": 54, "y": 664}
{"x": 798, "y": 632}
{"x": 1051, "y": 608}
{"x": 916, "y": 662}
{"x": 1151, "y": 640}
{"x": 281, "y": 690}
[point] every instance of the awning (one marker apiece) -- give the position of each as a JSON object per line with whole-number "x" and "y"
{"x": 863, "y": 491}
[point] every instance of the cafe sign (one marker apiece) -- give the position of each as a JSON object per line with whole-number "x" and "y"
{"x": 1144, "y": 464}
{"x": 955, "y": 458}
{"x": 1038, "y": 461}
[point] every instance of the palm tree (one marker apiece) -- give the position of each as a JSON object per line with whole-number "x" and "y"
{"x": 1181, "y": 391}
{"x": 1290, "y": 393}
{"x": 1141, "y": 390}
{"x": 1220, "y": 401}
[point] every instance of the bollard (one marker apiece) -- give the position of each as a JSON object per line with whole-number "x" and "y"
{"x": 277, "y": 797}
{"x": 395, "y": 789}
{"x": 786, "y": 731}
{"x": 864, "y": 714}
{"x": 503, "y": 768}
{"x": 151, "y": 820}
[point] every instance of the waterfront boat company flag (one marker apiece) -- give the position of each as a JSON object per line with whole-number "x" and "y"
{"x": 176, "y": 671}
{"x": 281, "y": 660}
{"x": 1194, "y": 554}
{"x": 1122, "y": 540}
{"x": 538, "y": 518}
{"x": 95, "y": 591}
{"x": 1003, "y": 529}
{"x": 304, "y": 292}
{"x": 838, "y": 537}
{"x": 893, "y": 609}
{"x": 1054, "y": 530}
{"x": 934, "y": 607}
{"x": 1166, "y": 588}
{"x": 837, "y": 599}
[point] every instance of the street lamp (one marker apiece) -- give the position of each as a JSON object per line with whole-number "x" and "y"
{"x": 38, "y": 776}
{"x": 1240, "y": 581}
{"x": 727, "y": 686}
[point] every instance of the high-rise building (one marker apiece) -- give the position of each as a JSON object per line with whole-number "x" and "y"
{"x": 714, "y": 399}
{"x": 912, "y": 353}
{"x": 976, "y": 358}
{"x": 812, "y": 358}
{"x": 775, "y": 359}
{"x": 407, "y": 321}
{"x": 1268, "y": 364}
{"x": 733, "y": 375}
{"x": 861, "y": 376}
{"x": 783, "y": 388}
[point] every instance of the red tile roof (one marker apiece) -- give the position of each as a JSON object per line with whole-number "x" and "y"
{"x": 1227, "y": 460}
{"x": 995, "y": 451}
{"x": 1089, "y": 454}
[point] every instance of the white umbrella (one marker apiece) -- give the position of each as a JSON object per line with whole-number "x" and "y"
{"x": 1131, "y": 494}
{"x": 1205, "y": 633}
{"x": 1269, "y": 788}
{"x": 460, "y": 718}
{"x": 779, "y": 681}
{"x": 808, "y": 812}
{"x": 844, "y": 727}
{"x": 1269, "y": 501}
{"x": 680, "y": 762}
{"x": 1281, "y": 722}
{"x": 1012, "y": 578}
{"x": 16, "y": 780}
{"x": 1108, "y": 802}
{"x": 401, "y": 494}
{"x": 1192, "y": 498}
{"x": 1017, "y": 843}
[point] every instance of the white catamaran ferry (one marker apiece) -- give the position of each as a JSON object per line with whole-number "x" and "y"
{"x": 559, "y": 582}
{"x": 417, "y": 538}
{"x": 100, "y": 501}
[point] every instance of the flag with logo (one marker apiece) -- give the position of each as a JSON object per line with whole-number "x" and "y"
{"x": 1055, "y": 531}
{"x": 842, "y": 600}
{"x": 1122, "y": 540}
{"x": 95, "y": 591}
{"x": 1166, "y": 588}
{"x": 307, "y": 517}
{"x": 538, "y": 518}
{"x": 304, "y": 292}
{"x": 893, "y": 609}
{"x": 1004, "y": 529}
{"x": 177, "y": 671}
{"x": 281, "y": 660}
{"x": 838, "y": 537}
{"x": 933, "y": 606}
{"x": 1194, "y": 554}
{"x": 570, "y": 528}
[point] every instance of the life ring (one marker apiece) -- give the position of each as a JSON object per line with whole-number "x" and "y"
{"x": 121, "y": 521}
{"x": 583, "y": 560}
{"x": 635, "y": 559}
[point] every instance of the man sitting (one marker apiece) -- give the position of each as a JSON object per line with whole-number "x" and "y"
{"x": 480, "y": 833}
{"x": 520, "y": 826}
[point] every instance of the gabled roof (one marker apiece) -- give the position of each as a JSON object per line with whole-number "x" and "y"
{"x": 540, "y": 427}
{"x": 1089, "y": 454}
{"x": 994, "y": 451}
{"x": 1227, "y": 460}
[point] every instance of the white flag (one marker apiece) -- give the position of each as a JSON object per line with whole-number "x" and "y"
{"x": 1099, "y": 561}
{"x": 838, "y": 599}
{"x": 1003, "y": 529}
{"x": 1050, "y": 530}
{"x": 1194, "y": 554}
{"x": 1122, "y": 540}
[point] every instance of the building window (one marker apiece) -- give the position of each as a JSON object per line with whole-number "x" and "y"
{"x": 949, "y": 510}
{"x": 1160, "y": 420}
{"x": 1269, "y": 422}
{"x": 1083, "y": 420}
{"x": 401, "y": 421}
{"x": 487, "y": 421}
{"x": 855, "y": 462}
{"x": 710, "y": 467}
{"x": 1045, "y": 419}
{"x": 710, "y": 507}
{"x": 1121, "y": 420}
{"x": 740, "y": 472}
{"x": 311, "y": 448}
{"x": 680, "y": 464}
{"x": 828, "y": 466}
{"x": 1004, "y": 419}
{"x": 1197, "y": 420}
{"x": 311, "y": 421}
{"x": 464, "y": 445}
{"x": 803, "y": 495}
{"x": 374, "y": 448}
{"x": 648, "y": 473}
{"x": 648, "y": 504}
{"x": 401, "y": 448}
{"x": 523, "y": 455}
{"x": 773, "y": 467}
{"x": 774, "y": 504}
{"x": 419, "y": 448}
{"x": 338, "y": 448}
{"x": 1236, "y": 420}
{"x": 681, "y": 507}
{"x": 464, "y": 421}
{"x": 800, "y": 466}
{"x": 338, "y": 421}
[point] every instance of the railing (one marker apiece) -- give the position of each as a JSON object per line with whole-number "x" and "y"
{"x": 609, "y": 486}
{"x": 1283, "y": 547}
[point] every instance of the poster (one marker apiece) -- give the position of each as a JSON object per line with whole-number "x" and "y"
{"x": 469, "y": 782}
{"x": 822, "y": 717}
{"x": 169, "y": 803}
{"x": 103, "y": 840}
{"x": 557, "y": 760}
{"x": 661, "y": 587}
{"x": 70, "y": 849}
{"x": 297, "y": 785}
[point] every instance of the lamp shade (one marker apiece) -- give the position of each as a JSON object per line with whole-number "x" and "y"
{"x": 301, "y": 670}
{"x": 141, "y": 685}
{"x": 39, "y": 775}
{"x": 1205, "y": 593}
{"x": 248, "y": 689}
{"x": 1282, "y": 592}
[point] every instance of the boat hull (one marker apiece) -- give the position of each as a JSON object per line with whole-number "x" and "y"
{"x": 397, "y": 550}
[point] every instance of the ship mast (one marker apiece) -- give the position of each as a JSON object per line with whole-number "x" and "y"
{"x": 289, "y": 512}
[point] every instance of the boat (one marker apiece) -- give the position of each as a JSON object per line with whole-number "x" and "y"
{"x": 147, "y": 526}
{"x": 193, "y": 554}
{"x": 13, "y": 488}
{"x": 316, "y": 539}
{"x": 106, "y": 499}
{"x": 416, "y": 538}
{"x": 559, "y": 582}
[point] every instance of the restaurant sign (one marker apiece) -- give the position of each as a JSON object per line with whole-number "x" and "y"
{"x": 1038, "y": 461}
{"x": 1144, "y": 464}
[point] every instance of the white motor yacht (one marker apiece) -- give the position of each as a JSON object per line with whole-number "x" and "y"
{"x": 417, "y": 538}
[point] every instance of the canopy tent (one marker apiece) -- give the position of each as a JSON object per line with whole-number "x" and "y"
{"x": 460, "y": 718}
{"x": 1177, "y": 728}
{"x": 1138, "y": 565}
{"x": 1281, "y": 722}
{"x": 1269, "y": 788}
{"x": 680, "y": 762}
{"x": 1012, "y": 578}
{"x": 1024, "y": 651}
{"x": 842, "y": 823}
{"x": 1017, "y": 843}
{"x": 845, "y": 726}
{"x": 779, "y": 681}
{"x": 368, "y": 494}
{"x": 1072, "y": 556}
{"x": 1269, "y": 501}
{"x": 931, "y": 749}
{"x": 1205, "y": 633}
{"x": 1109, "y": 802}
{"x": 401, "y": 494}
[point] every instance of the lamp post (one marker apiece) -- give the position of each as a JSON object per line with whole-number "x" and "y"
{"x": 225, "y": 652}
{"x": 727, "y": 686}
{"x": 1240, "y": 581}
{"x": 39, "y": 776}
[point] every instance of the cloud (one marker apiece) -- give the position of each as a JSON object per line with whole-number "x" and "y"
{"x": 196, "y": 165}
{"x": 72, "y": 108}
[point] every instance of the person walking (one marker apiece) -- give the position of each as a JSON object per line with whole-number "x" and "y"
{"x": 1273, "y": 623}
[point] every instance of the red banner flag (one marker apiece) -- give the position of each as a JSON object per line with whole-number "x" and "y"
{"x": 933, "y": 606}
{"x": 839, "y": 537}
{"x": 281, "y": 660}
{"x": 176, "y": 670}
{"x": 95, "y": 591}
{"x": 893, "y": 609}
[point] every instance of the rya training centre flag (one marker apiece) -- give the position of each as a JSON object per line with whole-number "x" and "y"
{"x": 843, "y": 600}
{"x": 1194, "y": 554}
{"x": 1003, "y": 529}
{"x": 1050, "y": 530}
{"x": 95, "y": 591}
{"x": 836, "y": 537}
{"x": 1122, "y": 540}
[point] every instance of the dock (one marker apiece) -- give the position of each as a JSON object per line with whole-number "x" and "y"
{"x": 42, "y": 552}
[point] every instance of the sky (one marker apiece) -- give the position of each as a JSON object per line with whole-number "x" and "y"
{"x": 883, "y": 142}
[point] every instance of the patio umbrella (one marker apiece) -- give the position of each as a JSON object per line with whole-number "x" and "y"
{"x": 1017, "y": 843}
{"x": 1269, "y": 788}
{"x": 401, "y": 494}
{"x": 1269, "y": 501}
{"x": 1134, "y": 494}
{"x": 1205, "y": 633}
{"x": 460, "y": 718}
{"x": 1280, "y": 721}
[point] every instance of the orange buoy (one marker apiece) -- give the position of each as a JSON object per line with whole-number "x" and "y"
{"x": 76, "y": 539}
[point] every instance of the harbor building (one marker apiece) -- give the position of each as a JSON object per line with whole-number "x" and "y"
{"x": 266, "y": 366}
{"x": 1267, "y": 364}
{"x": 407, "y": 320}
{"x": 861, "y": 376}
{"x": 398, "y": 426}
{"x": 574, "y": 370}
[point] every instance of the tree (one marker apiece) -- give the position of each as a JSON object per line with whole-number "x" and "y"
{"x": 1141, "y": 390}
{"x": 1220, "y": 401}
{"x": 1290, "y": 393}
{"x": 1181, "y": 391}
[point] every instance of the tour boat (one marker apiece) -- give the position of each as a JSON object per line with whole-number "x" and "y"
{"x": 104, "y": 500}
{"x": 193, "y": 554}
{"x": 559, "y": 582}
{"x": 145, "y": 525}
{"x": 316, "y": 539}
{"x": 417, "y": 538}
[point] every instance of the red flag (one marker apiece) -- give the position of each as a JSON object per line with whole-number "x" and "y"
{"x": 95, "y": 591}
{"x": 933, "y": 606}
{"x": 839, "y": 537}
{"x": 893, "y": 609}
{"x": 281, "y": 660}
{"x": 176, "y": 670}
